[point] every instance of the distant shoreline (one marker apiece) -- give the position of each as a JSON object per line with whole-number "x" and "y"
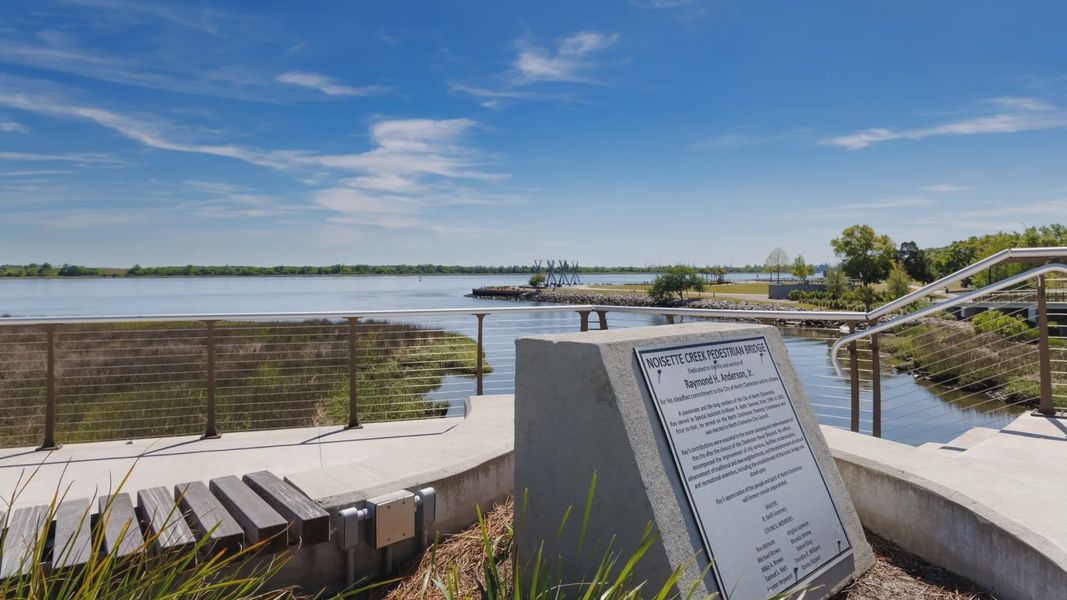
{"x": 297, "y": 275}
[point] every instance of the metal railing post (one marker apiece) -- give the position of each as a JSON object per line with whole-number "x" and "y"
{"x": 1044, "y": 360}
{"x": 854, "y": 381}
{"x": 670, "y": 319}
{"x": 584, "y": 315}
{"x": 49, "y": 442}
{"x": 876, "y": 388}
{"x": 211, "y": 430}
{"x": 478, "y": 368}
{"x": 353, "y": 375}
{"x": 602, "y": 315}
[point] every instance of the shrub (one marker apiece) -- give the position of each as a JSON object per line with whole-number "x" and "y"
{"x": 1008, "y": 326}
{"x": 537, "y": 279}
{"x": 676, "y": 280}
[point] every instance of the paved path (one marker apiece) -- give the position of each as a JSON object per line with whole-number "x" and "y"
{"x": 87, "y": 470}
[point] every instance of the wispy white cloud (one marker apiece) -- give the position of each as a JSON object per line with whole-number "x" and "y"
{"x": 161, "y": 69}
{"x": 221, "y": 200}
{"x": 501, "y": 98}
{"x": 744, "y": 140}
{"x": 80, "y": 158}
{"x": 205, "y": 21}
{"x": 326, "y": 85}
{"x": 888, "y": 204}
{"x": 665, "y": 4}
{"x": 569, "y": 60}
{"x": 943, "y": 188}
{"x": 1024, "y": 114}
{"x": 1024, "y": 103}
{"x": 412, "y": 146}
{"x": 34, "y": 172}
{"x": 76, "y": 219}
{"x": 885, "y": 209}
{"x": 412, "y": 166}
{"x": 13, "y": 127}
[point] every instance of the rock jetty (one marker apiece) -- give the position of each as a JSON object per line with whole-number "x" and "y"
{"x": 585, "y": 296}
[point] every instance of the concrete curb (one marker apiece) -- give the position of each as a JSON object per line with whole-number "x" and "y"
{"x": 930, "y": 506}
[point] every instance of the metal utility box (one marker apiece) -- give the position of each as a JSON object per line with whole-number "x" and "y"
{"x": 394, "y": 518}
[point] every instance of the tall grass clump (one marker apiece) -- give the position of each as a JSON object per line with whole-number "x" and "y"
{"x": 485, "y": 563}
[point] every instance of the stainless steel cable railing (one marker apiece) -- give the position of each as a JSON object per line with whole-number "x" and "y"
{"x": 93, "y": 378}
{"x": 119, "y": 377}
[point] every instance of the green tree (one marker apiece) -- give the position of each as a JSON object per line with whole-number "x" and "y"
{"x": 777, "y": 261}
{"x": 914, "y": 261}
{"x": 676, "y": 281}
{"x": 537, "y": 279}
{"x": 836, "y": 282}
{"x": 898, "y": 283}
{"x": 865, "y": 255}
{"x": 801, "y": 270}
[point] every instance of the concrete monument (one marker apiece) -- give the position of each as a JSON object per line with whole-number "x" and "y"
{"x": 701, "y": 429}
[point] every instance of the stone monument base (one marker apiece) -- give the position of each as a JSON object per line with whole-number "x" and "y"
{"x": 714, "y": 446}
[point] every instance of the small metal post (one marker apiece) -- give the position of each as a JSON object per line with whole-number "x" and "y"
{"x": 584, "y": 314}
{"x": 478, "y": 369}
{"x": 49, "y": 442}
{"x": 1044, "y": 362}
{"x": 670, "y": 319}
{"x": 211, "y": 431}
{"x": 854, "y": 377}
{"x": 602, "y": 315}
{"x": 876, "y": 387}
{"x": 353, "y": 375}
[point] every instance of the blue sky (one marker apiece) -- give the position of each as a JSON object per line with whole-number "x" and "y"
{"x": 499, "y": 132}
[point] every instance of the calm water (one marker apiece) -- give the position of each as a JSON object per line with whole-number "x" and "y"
{"x": 913, "y": 411}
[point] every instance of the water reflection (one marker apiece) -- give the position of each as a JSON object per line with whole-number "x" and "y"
{"x": 914, "y": 411}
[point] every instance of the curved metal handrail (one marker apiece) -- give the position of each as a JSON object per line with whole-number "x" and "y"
{"x": 1050, "y": 253}
{"x": 940, "y": 306}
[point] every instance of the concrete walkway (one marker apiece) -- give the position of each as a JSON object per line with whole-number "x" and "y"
{"x": 985, "y": 505}
{"x": 88, "y": 470}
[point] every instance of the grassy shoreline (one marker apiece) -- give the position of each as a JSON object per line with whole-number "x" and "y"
{"x": 954, "y": 353}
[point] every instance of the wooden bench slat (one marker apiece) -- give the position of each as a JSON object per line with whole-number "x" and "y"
{"x": 24, "y": 528}
{"x": 259, "y": 520}
{"x": 114, "y": 518}
{"x": 207, "y": 516}
{"x": 164, "y": 519}
{"x": 73, "y": 541}
{"x": 309, "y": 524}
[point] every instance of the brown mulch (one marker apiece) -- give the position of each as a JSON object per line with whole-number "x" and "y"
{"x": 896, "y": 574}
{"x": 899, "y": 574}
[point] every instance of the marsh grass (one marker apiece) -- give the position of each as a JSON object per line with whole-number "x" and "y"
{"x": 483, "y": 563}
{"x": 135, "y": 380}
{"x": 957, "y": 353}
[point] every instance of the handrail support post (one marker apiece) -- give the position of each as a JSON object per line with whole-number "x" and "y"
{"x": 1044, "y": 359}
{"x": 353, "y": 375}
{"x": 854, "y": 381}
{"x": 478, "y": 370}
{"x": 584, "y": 323}
{"x": 876, "y": 388}
{"x": 211, "y": 431}
{"x": 49, "y": 442}
{"x": 602, "y": 315}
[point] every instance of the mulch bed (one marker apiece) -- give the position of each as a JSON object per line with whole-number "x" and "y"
{"x": 896, "y": 573}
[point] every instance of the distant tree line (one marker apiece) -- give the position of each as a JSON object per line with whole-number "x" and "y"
{"x": 48, "y": 270}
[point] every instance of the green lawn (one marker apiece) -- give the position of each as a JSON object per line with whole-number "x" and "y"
{"x": 726, "y": 288}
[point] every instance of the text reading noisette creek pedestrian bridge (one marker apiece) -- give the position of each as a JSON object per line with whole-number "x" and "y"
{"x": 343, "y": 407}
